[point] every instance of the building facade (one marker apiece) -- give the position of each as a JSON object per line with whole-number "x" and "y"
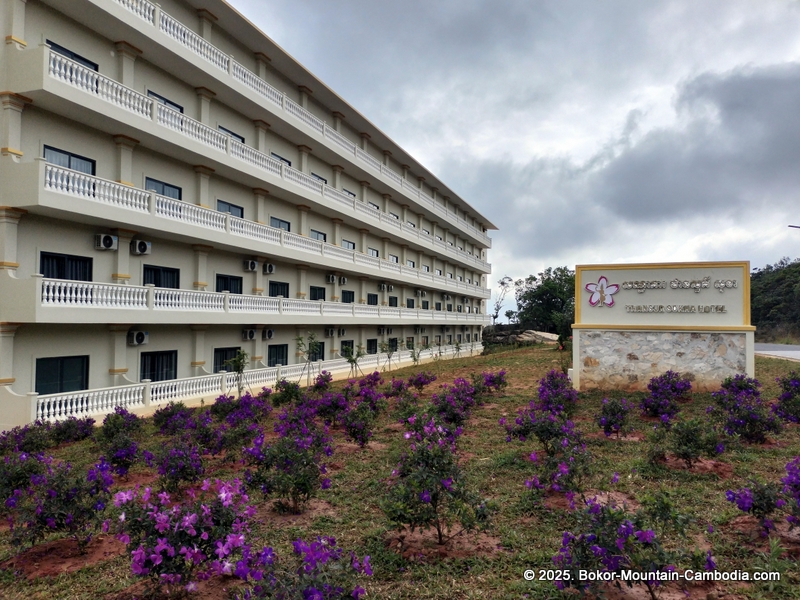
{"x": 175, "y": 187}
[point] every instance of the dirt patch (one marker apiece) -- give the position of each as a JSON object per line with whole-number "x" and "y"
{"x": 268, "y": 514}
{"x": 560, "y": 501}
{"x": 132, "y": 480}
{"x": 752, "y": 533}
{"x": 353, "y": 448}
{"x": 631, "y": 437}
{"x": 421, "y": 546}
{"x": 671, "y": 591}
{"x": 396, "y": 427}
{"x": 63, "y": 556}
{"x": 212, "y": 589}
{"x": 703, "y": 466}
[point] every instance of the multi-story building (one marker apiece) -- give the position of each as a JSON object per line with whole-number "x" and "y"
{"x": 175, "y": 187}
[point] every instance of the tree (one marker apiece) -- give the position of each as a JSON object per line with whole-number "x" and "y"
{"x": 504, "y": 288}
{"x": 546, "y": 302}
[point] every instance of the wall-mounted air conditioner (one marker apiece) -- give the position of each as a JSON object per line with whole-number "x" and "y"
{"x": 267, "y": 334}
{"x": 381, "y": 330}
{"x": 248, "y": 334}
{"x": 251, "y": 266}
{"x": 329, "y": 331}
{"x": 381, "y": 287}
{"x": 138, "y": 338}
{"x": 418, "y": 292}
{"x": 140, "y": 247}
{"x": 342, "y": 280}
{"x": 104, "y": 241}
{"x": 330, "y": 278}
{"x": 390, "y": 287}
{"x": 269, "y": 268}
{"x": 342, "y": 332}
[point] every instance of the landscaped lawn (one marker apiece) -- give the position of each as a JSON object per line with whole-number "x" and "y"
{"x": 521, "y": 535}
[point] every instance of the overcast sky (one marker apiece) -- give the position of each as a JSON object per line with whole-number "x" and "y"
{"x": 588, "y": 132}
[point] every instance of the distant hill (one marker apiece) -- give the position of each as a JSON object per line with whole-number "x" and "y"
{"x": 775, "y": 300}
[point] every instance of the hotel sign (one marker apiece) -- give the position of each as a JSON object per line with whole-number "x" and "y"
{"x": 697, "y": 296}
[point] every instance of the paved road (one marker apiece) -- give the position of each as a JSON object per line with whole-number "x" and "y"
{"x": 779, "y": 350}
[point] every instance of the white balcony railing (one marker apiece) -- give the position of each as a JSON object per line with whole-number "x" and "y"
{"x": 196, "y": 44}
{"x": 66, "y": 181}
{"x": 57, "y": 292}
{"x": 89, "y": 402}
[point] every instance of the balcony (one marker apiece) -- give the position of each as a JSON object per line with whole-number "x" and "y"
{"x": 206, "y": 224}
{"x": 167, "y": 31}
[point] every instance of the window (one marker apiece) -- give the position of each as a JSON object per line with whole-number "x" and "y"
{"x": 437, "y": 339}
{"x": 469, "y": 309}
{"x": 392, "y": 344}
{"x": 278, "y": 288}
{"x": 68, "y": 160}
{"x": 347, "y": 244}
{"x": 459, "y": 308}
{"x": 162, "y": 100}
{"x": 409, "y": 303}
{"x": 425, "y": 305}
{"x": 449, "y": 243}
{"x": 229, "y": 283}
{"x": 423, "y": 340}
{"x": 285, "y": 161}
{"x": 221, "y": 356}
{"x": 409, "y": 343}
{"x": 317, "y": 293}
{"x": 410, "y": 224}
{"x": 460, "y": 248}
{"x": 72, "y": 56}
{"x": 319, "y": 354}
{"x": 469, "y": 280}
{"x": 439, "y": 272}
{"x": 163, "y": 189}
{"x": 392, "y": 300}
{"x": 372, "y": 299}
{"x": 460, "y": 278}
{"x": 348, "y": 296}
{"x": 373, "y": 205}
{"x": 438, "y": 237}
{"x": 393, "y": 258}
{"x": 411, "y": 263}
{"x": 449, "y": 338}
{"x": 318, "y": 235}
{"x": 372, "y": 346}
{"x": 62, "y": 374}
{"x": 65, "y": 266}
{"x": 233, "y": 134}
{"x": 277, "y": 354}
{"x": 162, "y": 277}
{"x": 426, "y": 268}
{"x": 319, "y": 178}
{"x": 280, "y": 224}
{"x": 438, "y": 305}
{"x": 233, "y": 209}
{"x": 346, "y": 348}
{"x": 426, "y": 231}
{"x": 159, "y": 366}
{"x": 349, "y": 193}
{"x": 373, "y": 252}
{"x": 449, "y": 308}
{"x": 469, "y": 337}
{"x": 449, "y": 275}
{"x": 394, "y": 216}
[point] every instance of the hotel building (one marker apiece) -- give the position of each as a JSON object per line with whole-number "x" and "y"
{"x": 175, "y": 187}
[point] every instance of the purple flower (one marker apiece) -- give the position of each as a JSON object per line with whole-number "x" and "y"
{"x": 425, "y": 496}
{"x": 615, "y": 478}
{"x": 710, "y": 564}
{"x": 646, "y": 536}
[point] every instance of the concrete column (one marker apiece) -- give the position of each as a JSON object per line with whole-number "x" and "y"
{"x": 126, "y": 59}
{"x": 11, "y": 123}
{"x": 434, "y": 229}
{"x": 404, "y": 213}
{"x": 364, "y": 188}
{"x": 204, "y": 97}
{"x": 386, "y": 199}
{"x": 207, "y": 20}
{"x": 302, "y": 217}
{"x": 420, "y": 256}
{"x": 337, "y": 120}
{"x": 125, "y": 146}
{"x": 335, "y": 292}
{"x": 386, "y": 158}
{"x": 304, "y": 95}
{"x": 421, "y": 181}
{"x": 198, "y": 349}
{"x": 365, "y": 138}
{"x": 446, "y": 200}
{"x": 337, "y": 231}
{"x": 363, "y": 290}
{"x": 258, "y": 287}
{"x": 337, "y": 176}
{"x": 201, "y": 266}
{"x": 15, "y": 24}
{"x": 122, "y": 256}
{"x": 301, "y": 280}
{"x": 119, "y": 354}
{"x": 260, "y": 196}
{"x": 304, "y": 152}
{"x": 262, "y": 60}
{"x": 405, "y": 171}
{"x": 362, "y": 241}
{"x": 7, "y": 332}
{"x": 261, "y": 129}
{"x": 9, "y": 220}
{"x": 385, "y": 249}
{"x": 434, "y": 192}
{"x": 202, "y": 177}
{"x": 403, "y": 254}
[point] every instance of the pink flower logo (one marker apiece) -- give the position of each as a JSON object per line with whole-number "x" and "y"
{"x": 602, "y": 292}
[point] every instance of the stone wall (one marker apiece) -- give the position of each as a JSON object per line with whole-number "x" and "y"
{"x": 627, "y": 360}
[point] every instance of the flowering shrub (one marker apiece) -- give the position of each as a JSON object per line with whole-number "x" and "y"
{"x": 791, "y": 489}
{"x": 760, "y": 500}
{"x": 287, "y": 392}
{"x": 429, "y": 489}
{"x": 487, "y": 383}
{"x": 33, "y": 437}
{"x": 174, "y": 544}
{"x": 420, "y": 380}
{"x": 610, "y": 539}
{"x": 121, "y": 452}
{"x": 788, "y": 406}
{"x": 321, "y": 570}
{"x": 665, "y": 391}
{"x": 556, "y": 393}
{"x": 120, "y": 421}
{"x": 406, "y": 404}
{"x": 72, "y": 430}
{"x": 734, "y": 387}
{"x": 331, "y": 406}
{"x": 172, "y": 418}
{"x": 747, "y": 416}
{"x": 15, "y": 474}
{"x": 614, "y": 416}
{"x": 372, "y": 380}
{"x": 322, "y": 382}
{"x": 60, "y": 500}
{"x": 549, "y": 428}
{"x": 693, "y": 438}
{"x": 358, "y": 421}
{"x": 249, "y": 409}
{"x": 454, "y": 402}
{"x": 178, "y": 464}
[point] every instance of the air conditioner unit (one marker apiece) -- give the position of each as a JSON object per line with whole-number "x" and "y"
{"x": 251, "y": 266}
{"x": 267, "y": 334}
{"x": 248, "y": 334}
{"x": 342, "y": 332}
{"x": 342, "y": 280}
{"x": 269, "y": 268}
{"x": 390, "y": 287}
{"x": 464, "y": 299}
{"x": 463, "y": 328}
{"x": 417, "y": 329}
{"x": 138, "y": 338}
{"x": 329, "y": 331}
{"x": 140, "y": 247}
{"x": 330, "y": 278}
{"x": 381, "y": 287}
{"x": 418, "y": 292}
{"x": 388, "y": 331}
{"x": 424, "y": 293}
{"x": 381, "y": 330}
{"x": 104, "y": 241}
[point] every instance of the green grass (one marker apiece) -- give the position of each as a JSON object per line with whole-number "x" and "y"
{"x": 499, "y": 470}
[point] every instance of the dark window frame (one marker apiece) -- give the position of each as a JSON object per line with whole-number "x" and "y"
{"x": 372, "y": 299}
{"x": 319, "y": 178}
{"x": 348, "y": 245}
{"x": 164, "y": 356}
{"x": 66, "y": 52}
{"x": 222, "y": 355}
{"x": 85, "y": 261}
{"x": 276, "y": 353}
{"x": 348, "y": 297}
{"x": 152, "y": 185}
{"x": 158, "y": 276}
{"x": 62, "y": 384}
{"x": 223, "y": 283}
{"x": 285, "y": 161}
{"x": 276, "y": 287}
{"x": 393, "y": 301}
{"x": 279, "y": 223}
{"x": 70, "y": 156}
{"x": 165, "y": 101}
{"x": 316, "y": 292}
{"x": 373, "y": 252}
{"x": 224, "y": 206}
{"x": 372, "y": 346}
{"x": 319, "y": 354}
{"x": 320, "y": 236}
{"x": 233, "y": 134}
{"x": 410, "y": 303}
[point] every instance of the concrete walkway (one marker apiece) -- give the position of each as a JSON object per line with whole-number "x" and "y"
{"x": 779, "y": 351}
